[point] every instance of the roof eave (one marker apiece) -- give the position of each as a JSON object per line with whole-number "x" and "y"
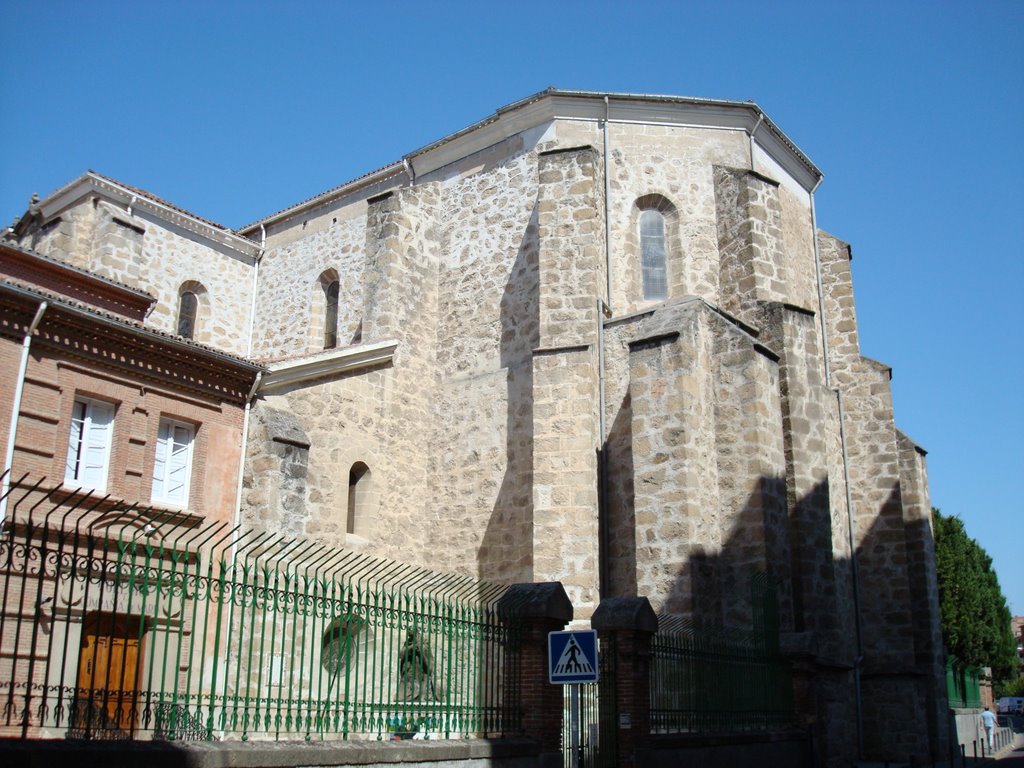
{"x": 553, "y": 103}
{"x": 190, "y": 347}
{"x": 142, "y": 296}
{"x": 90, "y": 182}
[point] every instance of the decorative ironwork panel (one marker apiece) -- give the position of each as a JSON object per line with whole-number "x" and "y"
{"x": 123, "y": 622}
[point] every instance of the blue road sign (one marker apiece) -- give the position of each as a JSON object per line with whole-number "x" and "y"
{"x": 572, "y": 657}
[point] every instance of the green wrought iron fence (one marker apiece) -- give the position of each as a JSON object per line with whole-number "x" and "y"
{"x": 963, "y": 684}
{"x": 119, "y": 621}
{"x": 719, "y": 681}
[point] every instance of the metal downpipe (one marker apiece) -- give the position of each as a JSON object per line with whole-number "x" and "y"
{"x": 26, "y": 345}
{"x": 241, "y": 456}
{"x": 850, "y": 523}
{"x": 603, "y": 309}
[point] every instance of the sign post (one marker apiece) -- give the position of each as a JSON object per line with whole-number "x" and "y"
{"x": 572, "y": 660}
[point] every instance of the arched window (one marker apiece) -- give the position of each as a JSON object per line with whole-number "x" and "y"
{"x": 653, "y": 254}
{"x": 324, "y": 311}
{"x": 331, "y": 314}
{"x": 188, "y": 309}
{"x": 358, "y": 498}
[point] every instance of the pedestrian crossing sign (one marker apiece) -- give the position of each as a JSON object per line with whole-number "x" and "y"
{"x": 572, "y": 657}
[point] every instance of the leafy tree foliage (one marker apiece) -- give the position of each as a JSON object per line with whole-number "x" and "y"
{"x": 1009, "y": 688}
{"x": 976, "y": 622}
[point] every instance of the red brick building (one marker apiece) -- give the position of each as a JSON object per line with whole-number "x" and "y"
{"x": 108, "y": 405}
{"x": 105, "y": 411}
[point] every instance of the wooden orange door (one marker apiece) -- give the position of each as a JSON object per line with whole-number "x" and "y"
{"x": 108, "y": 671}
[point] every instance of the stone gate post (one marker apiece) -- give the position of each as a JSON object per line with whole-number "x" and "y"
{"x": 539, "y": 609}
{"x": 625, "y": 626}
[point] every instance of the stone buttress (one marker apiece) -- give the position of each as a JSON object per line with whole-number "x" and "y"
{"x": 565, "y": 382}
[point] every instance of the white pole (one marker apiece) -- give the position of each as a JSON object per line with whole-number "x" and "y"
{"x": 19, "y": 388}
{"x": 574, "y": 724}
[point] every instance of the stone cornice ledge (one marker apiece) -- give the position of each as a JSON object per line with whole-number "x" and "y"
{"x": 289, "y": 372}
{"x": 119, "y": 194}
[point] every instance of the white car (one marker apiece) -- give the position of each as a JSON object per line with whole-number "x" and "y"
{"x": 1010, "y": 705}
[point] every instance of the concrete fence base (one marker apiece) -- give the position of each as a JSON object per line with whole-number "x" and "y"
{"x": 468, "y": 753}
{"x": 766, "y": 750}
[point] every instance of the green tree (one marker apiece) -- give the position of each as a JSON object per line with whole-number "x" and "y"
{"x": 976, "y": 622}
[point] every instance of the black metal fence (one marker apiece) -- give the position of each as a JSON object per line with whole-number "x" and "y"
{"x": 713, "y": 680}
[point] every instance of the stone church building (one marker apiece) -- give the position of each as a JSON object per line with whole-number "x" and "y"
{"x": 593, "y": 338}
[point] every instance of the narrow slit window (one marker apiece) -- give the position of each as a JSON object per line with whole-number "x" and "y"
{"x": 358, "y": 482}
{"x": 652, "y": 259}
{"x": 331, "y": 315}
{"x": 188, "y": 308}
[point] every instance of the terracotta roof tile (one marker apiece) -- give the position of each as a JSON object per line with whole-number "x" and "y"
{"x": 70, "y": 303}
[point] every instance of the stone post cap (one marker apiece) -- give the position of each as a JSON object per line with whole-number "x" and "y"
{"x": 630, "y": 613}
{"x": 546, "y": 600}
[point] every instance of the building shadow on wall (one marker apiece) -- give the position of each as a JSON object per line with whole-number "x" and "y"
{"x": 618, "y": 510}
{"x": 818, "y": 618}
{"x": 506, "y": 552}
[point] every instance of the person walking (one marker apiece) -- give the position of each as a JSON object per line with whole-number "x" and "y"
{"x": 988, "y": 722}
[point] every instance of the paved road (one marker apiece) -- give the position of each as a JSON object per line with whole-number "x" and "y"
{"x": 1015, "y": 758}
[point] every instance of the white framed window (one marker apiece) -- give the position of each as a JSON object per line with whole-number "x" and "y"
{"x": 89, "y": 440}
{"x": 172, "y": 467}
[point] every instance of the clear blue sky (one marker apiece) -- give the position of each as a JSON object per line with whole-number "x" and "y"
{"x": 914, "y": 111}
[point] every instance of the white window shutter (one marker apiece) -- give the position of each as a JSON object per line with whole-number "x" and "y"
{"x": 96, "y": 451}
{"x": 89, "y": 439}
{"x": 172, "y": 465}
{"x": 178, "y": 462}
{"x": 75, "y": 441}
{"x": 160, "y": 461}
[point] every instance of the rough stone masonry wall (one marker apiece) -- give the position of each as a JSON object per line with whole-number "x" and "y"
{"x": 674, "y": 163}
{"x": 487, "y": 330}
{"x": 290, "y": 298}
{"x": 673, "y": 468}
{"x": 928, "y": 646}
{"x": 706, "y": 460}
{"x": 749, "y": 243}
{"x": 873, "y": 458}
{"x": 805, "y": 407}
{"x": 797, "y": 250}
{"x": 68, "y": 236}
{"x": 472, "y": 513}
{"x": 171, "y": 257}
{"x": 834, "y": 691}
{"x": 620, "y": 515}
{"x": 821, "y": 638}
{"x": 565, "y": 418}
{"x": 302, "y": 445}
{"x": 155, "y": 256}
{"x": 751, "y": 473}
{"x": 880, "y": 535}
{"x": 917, "y": 514}
{"x": 380, "y": 417}
{"x": 889, "y": 681}
{"x": 400, "y": 298}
